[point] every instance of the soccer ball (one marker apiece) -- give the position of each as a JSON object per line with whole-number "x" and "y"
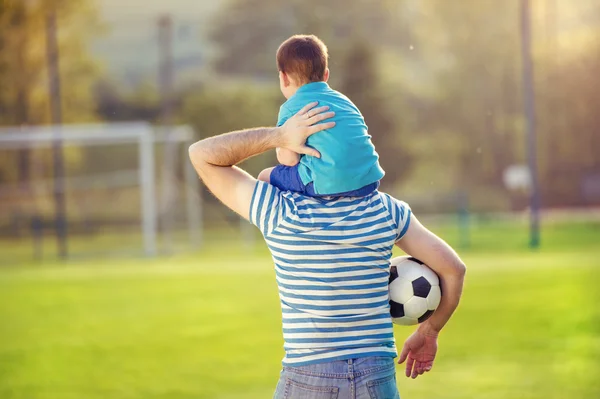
{"x": 415, "y": 291}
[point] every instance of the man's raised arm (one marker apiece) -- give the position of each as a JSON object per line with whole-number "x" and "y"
{"x": 215, "y": 158}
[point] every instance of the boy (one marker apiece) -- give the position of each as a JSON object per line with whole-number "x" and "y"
{"x": 348, "y": 164}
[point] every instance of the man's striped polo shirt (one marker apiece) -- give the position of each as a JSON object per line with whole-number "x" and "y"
{"x": 332, "y": 260}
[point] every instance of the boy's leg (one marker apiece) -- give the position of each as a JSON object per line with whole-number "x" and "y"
{"x": 285, "y": 178}
{"x": 265, "y": 175}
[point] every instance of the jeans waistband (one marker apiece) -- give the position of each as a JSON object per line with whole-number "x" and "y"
{"x": 349, "y": 368}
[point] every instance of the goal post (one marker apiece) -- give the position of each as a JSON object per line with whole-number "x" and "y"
{"x": 112, "y": 172}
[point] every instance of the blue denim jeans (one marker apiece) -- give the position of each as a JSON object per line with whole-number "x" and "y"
{"x": 363, "y": 378}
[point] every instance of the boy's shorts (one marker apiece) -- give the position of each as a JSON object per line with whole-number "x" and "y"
{"x": 287, "y": 178}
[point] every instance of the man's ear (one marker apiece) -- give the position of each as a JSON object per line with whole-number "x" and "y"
{"x": 326, "y": 75}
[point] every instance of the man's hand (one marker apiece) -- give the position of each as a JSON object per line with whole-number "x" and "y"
{"x": 419, "y": 353}
{"x": 295, "y": 131}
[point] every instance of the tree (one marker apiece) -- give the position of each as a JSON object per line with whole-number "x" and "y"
{"x": 248, "y": 32}
{"x": 115, "y": 105}
{"x": 23, "y": 38}
{"x": 220, "y": 109}
{"x": 23, "y": 78}
{"x": 568, "y": 139}
{"x": 479, "y": 102}
{"x": 360, "y": 82}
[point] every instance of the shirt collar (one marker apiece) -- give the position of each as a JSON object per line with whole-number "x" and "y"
{"x": 313, "y": 87}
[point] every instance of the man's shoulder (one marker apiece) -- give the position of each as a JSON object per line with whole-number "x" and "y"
{"x": 389, "y": 199}
{"x": 266, "y": 192}
{"x": 270, "y": 206}
{"x": 366, "y": 204}
{"x": 398, "y": 210}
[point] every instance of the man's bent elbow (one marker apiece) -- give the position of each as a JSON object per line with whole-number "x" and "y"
{"x": 460, "y": 269}
{"x": 196, "y": 153}
{"x": 194, "y": 149}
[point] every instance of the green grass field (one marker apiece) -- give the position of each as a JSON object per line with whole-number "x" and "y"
{"x": 208, "y": 326}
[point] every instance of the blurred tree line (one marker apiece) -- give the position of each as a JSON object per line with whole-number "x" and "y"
{"x": 24, "y": 77}
{"x": 439, "y": 84}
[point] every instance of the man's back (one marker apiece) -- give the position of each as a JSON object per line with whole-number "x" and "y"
{"x": 327, "y": 260}
{"x": 332, "y": 267}
{"x": 348, "y": 158}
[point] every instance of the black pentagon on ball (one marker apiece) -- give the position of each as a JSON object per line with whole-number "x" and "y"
{"x": 396, "y": 309}
{"x": 421, "y": 287}
{"x": 425, "y": 316}
{"x": 393, "y": 274}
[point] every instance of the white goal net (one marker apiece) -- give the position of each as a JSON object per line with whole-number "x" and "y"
{"x": 125, "y": 187}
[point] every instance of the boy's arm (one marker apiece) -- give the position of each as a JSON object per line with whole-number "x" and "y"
{"x": 287, "y": 157}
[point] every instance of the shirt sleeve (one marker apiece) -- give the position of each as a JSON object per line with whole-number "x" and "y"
{"x": 400, "y": 213}
{"x": 265, "y": 207}
{"x": 284, "y": 115}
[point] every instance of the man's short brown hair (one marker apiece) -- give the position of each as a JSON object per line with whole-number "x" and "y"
{"x": 304, "y": 57}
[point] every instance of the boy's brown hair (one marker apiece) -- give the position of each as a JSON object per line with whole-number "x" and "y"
{"x": 304, "y": 57}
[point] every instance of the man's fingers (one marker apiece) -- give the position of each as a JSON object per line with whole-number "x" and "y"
{"x": 316, "y": 118}
{"x": 307, "y": 108}
{"x": 321, "y": 126}
{"x": 403, "y": 354}
{"x": 420, "y": 368}
{"x": 417, "y": 370}
{"x": 409, "y": 365}
{"x": 315, "y": 111}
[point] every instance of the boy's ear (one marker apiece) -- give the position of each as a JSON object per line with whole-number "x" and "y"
{"x": 326, "y": 75}
{"x": 285, "y": 79}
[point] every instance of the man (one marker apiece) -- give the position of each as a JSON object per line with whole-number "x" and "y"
{"x": 332, "y": 266}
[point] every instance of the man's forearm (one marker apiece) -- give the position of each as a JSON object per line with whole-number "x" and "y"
{"x": 232, "y": 148}
{"x": 451, "y": 292}
{"x": 214, "y": 158}
{"x": 439, "y": 256}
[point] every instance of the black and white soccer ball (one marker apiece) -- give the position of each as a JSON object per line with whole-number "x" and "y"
{"x": 415, "y": 291}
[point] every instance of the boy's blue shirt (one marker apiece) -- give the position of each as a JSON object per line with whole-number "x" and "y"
{"x": 348, "y": 157}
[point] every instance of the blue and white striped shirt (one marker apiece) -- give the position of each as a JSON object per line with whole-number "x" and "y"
{"x": 332, "y": 259}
